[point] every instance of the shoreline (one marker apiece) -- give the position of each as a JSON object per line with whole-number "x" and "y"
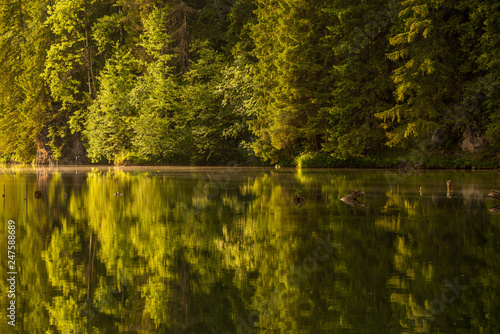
{"x": 91, "y": 167}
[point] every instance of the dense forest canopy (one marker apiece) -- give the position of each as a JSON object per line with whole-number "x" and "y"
{"x": 211, "y": 82}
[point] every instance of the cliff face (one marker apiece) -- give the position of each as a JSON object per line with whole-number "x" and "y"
{"x": 471, "y": 143}
{"x": 73, "y": 152}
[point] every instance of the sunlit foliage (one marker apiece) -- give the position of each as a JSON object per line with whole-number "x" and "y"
{"x": 216, "y": 82}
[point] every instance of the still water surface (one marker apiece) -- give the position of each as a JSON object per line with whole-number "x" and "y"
{"x": 201, "y": 250}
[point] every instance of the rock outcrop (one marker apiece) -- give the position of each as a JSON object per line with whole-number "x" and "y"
{"x": 471, "y": 143}
{"x": 73, "y": 152}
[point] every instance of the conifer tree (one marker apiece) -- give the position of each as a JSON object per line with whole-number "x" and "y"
{"x": 155, "y": 93}
{"x": 24, "y": 100}
{"x": 361, "y": 87}
{"x": 109, "y": 125}
{"x": 427, "y": 80}
{"x": 292, "y": 70}
{"x": 489, "y": 63}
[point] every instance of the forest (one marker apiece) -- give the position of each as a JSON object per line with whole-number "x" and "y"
{"x": 308, "y": 83}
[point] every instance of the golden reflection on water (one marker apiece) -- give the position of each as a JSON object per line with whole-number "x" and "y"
{"x": 203, "y": 250}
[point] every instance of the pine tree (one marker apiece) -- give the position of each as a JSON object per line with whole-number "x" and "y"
{"x": 487, "y": 12}
{"x": 12, "y": 37}
{"x": 292, "y": 71}
{"x": 427, "y": 78}
{"x": 24, "y": 100}
{"x": 154, "y": 94}
{"x": 109, "y": 124}
{"x": 361, "y": 87}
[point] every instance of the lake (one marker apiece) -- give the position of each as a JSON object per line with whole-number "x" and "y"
{"x": 229, "y": 250}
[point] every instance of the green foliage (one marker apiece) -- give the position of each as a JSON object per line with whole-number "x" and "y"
{"x": 215, "y": 129}
{"x": 154, "y": 95}
{"x": 64, "y": 57}
{"x": 427, "y": 56}
{"x": 68, "y": 67}
{"x": 105, "y": 32}
{"x": 24, "y": 98}
{"x": 109, "y": 125}
{"x": 214, "y": 81}
{"x": 489, "y": 62}
{"x": 292, "y": 76}
{"x": 361, "y": 85}
{"x": 242, "y": 18}
{"x": 318, "y": 160}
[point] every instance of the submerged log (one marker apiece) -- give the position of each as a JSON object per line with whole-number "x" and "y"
{"x": 495, "y": 210}
{"x": 351, "y": 199}
{"x": 494, "y": 194}
{"x": 354, "y": 195}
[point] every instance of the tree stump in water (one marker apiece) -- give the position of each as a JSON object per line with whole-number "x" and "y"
{"x": 495, "y": 210}
{"x": 299, "y": 199}
{"x": 351, "y": 199}
{"x": 449, "y": 189}
{"x": 494, "y": 194}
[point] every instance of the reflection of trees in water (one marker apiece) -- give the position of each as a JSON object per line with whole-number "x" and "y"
{"x": 173, "y": 254}
{"x": 438, "y": 242}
